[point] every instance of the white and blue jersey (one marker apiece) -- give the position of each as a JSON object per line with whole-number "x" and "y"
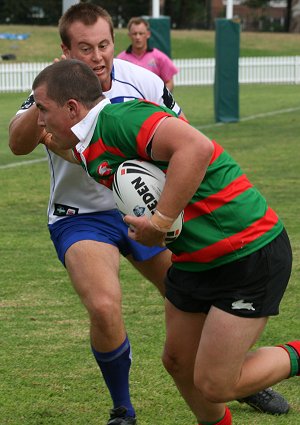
{"x": 72, "y": 192}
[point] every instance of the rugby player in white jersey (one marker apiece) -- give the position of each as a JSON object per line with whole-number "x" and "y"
{"x": 85, "y": 227}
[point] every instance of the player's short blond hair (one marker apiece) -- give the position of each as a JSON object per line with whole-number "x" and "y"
{"x": 137, "y": 21}
{"x": 86, "y": 13}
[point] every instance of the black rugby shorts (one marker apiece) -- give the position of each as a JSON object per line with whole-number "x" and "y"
{"x": 250, "y": 287}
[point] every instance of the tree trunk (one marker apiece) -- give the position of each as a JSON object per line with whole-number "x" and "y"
{"x": 295, "y": 17}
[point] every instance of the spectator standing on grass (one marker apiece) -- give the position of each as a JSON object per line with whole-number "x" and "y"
{"x": 87, "y": 231}
{"x": 140, "y": 53}
{"x": 232, "y": 261}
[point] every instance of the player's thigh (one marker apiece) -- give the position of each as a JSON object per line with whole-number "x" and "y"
{"x": 183, "y": 333}
{"x": 155, "y": 268}
{"x": 224, "y": 344}
{"x": 93, "y": 268}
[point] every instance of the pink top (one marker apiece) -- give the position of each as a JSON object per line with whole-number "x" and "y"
{"x": 154, "y": 60}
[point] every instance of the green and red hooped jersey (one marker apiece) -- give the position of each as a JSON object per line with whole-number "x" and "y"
{"x": 226, "y": 219}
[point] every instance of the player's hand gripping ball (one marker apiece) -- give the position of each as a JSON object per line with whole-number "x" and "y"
{"x": 137, "y": 187}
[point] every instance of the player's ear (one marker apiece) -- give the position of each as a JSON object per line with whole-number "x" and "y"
{"x": 64, "y": 49}
{"x": 73, "y": 108}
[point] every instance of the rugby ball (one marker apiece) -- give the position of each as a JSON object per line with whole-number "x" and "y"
{"x": 137, "y": 187}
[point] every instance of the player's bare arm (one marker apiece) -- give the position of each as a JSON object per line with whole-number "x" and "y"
{"x": 53, "y": 145}
{"x": 170, "y": 84}
{"x": 188, "y": 152}
{"x": 24, "y": 133}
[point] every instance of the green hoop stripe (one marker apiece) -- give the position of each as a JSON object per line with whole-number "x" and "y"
{"x": 294, "y": 359}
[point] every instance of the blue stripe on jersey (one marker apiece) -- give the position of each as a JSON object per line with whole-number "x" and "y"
{"x": 126, "y": 83}
{"x": 120, "y": 99}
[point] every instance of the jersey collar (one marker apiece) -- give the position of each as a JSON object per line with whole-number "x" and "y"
{"x": 149, "y": 49}
{"x": 84, "y": 129}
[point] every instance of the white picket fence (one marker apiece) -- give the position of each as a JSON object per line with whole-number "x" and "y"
{"x": 273, "y": 70}
{"x": 18, "y": 77}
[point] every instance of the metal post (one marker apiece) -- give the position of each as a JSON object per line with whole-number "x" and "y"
{"x": 155, "y": 8}
{"x": 229, "y": 9}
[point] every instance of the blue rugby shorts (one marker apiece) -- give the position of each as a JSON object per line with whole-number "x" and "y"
{"x": 105, "y": 226}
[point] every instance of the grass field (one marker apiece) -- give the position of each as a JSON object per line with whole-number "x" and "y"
{"x": 48, "y": 375}
{"x": 185, "y": 44}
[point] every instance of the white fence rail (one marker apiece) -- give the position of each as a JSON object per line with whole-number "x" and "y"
{"x": 273, "y": 70}
{"x": 18, "y": 77}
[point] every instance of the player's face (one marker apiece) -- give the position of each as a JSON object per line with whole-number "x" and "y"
{"x": 54, "y": 118}
{"x": 93, "y": 45}
{"x": 139, "y": 36}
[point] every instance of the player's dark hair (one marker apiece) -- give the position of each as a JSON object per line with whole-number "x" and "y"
{"x": 70, "y": 79}
{"x": 86, "y": 13}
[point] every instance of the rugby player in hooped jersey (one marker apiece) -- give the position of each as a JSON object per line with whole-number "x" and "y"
{"x": 85, "y": 227}
{"x": 232, "y": 260}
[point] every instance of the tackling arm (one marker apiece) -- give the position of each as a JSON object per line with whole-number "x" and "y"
{"x": 24, "y": 133}
{"x": 49, "y": 141}
{"x": 170, "y": 84}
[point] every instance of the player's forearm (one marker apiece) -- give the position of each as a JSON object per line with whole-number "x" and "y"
{"x": 67, "y": 155}
{"x": 24, "y": 133}
{"x": 170, "y": 84}
{"x": 53, "y": 145}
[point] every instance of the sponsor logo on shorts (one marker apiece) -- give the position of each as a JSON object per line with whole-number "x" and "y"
{"x": 242, "y": 305}
{"x": 63, "y": 210}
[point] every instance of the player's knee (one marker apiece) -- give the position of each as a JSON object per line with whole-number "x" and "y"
{"x": 173, "y": 363}
{"x": 104, "y": 311}
{"x": 169, "y": 363}
{"x": 212, "y": 388}
{"x": 209, "y": 392}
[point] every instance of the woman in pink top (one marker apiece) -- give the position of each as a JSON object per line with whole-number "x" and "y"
{"x": 150, "y": 58}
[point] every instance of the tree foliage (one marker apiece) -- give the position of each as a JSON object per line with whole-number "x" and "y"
{"x": 185, "y": 14}
{"x": 255, "y": 4}
{"x": 122, "y": 11}
{"x": 42, "y": 12}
